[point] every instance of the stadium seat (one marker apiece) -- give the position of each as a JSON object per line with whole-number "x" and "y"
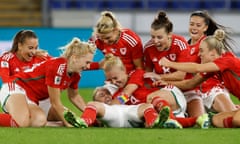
{"x": 122, "y": 4}
{"x": 55, "y": 4}
{"x": 214, "y": 4}
{"x": 235, "y": 4}
{"x": 90, "y": 4}
{"x": 185, "y": 4}
{"x": 155, "y": 4}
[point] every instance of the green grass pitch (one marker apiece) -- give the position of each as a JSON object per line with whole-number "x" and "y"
{"x": 61, "y": 135}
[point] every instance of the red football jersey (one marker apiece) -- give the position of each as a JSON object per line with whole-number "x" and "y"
{"x": 194, "y": 51}
{"x": 229, "y": 66}
{"x": 178, "y": 52}
{"x": 212, "y": 81}
{"x": 128, "y": 47}
{"x": 144, "y": 87}
{"x": 48, "y": 73}
{"x": 10, "y": 65}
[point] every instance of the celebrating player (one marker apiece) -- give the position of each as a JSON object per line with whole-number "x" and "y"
{"x": 110, "y": 37}
{"x": 216, "y": 59}
{"x": 23, "y": 54}
{"x": 212, "y": 94}
{"x": 164, "y": 44}
{"x": 20, "y": 96}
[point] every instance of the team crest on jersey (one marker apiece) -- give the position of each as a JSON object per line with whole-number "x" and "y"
{"x": 61, "y": 69}
{"x": 123, "y": 51}
{"x": 57, "y": 80}
{"x": 134, "y": 100}
{"x": 192, "y": 51}
{"x": 172, "y": 57}
{"x": 4, "y": 64}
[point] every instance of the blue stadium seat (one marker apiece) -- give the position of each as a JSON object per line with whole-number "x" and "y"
{"x": 214, "y": 4}
{"x": 185, "y": 4}
{"x": 235, "y": 4}
{"x": 90, "y": 4}
{"x": 155, "y": 4}
{"x": 55, "y": 4}
{"x": 122, "y": 4}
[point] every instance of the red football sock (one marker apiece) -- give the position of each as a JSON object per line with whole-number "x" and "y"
{"x": 89, "y": 114}
{"x": 159, "y": 103}
{"x": 150, "y": 116}
{"x": 227, "y": 122}
{"x": 6, "y": 120}
{"x": 187, "y": 122}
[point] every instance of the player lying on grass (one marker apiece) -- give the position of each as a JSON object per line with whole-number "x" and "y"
{"x": 20, "y": 96}
{"x": 141, "y": 115}
{"x": 216, "y": 59}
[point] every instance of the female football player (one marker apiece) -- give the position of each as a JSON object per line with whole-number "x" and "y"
{"x": 20, "y": 96}
{"x": 212, "y": 94}
{"x": 110, "y": 37}
{"x": 216, "y": 59}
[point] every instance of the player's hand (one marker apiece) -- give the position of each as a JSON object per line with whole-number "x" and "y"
{"x": 152, "y": 75}
{"x": 159, "y": 83}
{"x": 164, "y": 62}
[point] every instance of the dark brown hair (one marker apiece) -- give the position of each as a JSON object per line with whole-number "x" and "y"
{"x": 20, "y": 37}
{"x": 162, "y": 21}
{"x": 213, "y": 26}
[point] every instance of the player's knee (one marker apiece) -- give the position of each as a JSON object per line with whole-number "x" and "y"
{"x": 39, "y": 121}
{"x": 24, "y": 121}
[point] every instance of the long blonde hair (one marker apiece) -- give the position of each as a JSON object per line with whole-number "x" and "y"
{"x": 78, "y": 48}
{"x": 216, "y": 41}
{"x": 107, "y": 23}
{"x": 111, "y": 61}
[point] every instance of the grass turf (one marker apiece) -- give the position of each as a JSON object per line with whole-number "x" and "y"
{"x": 116, "y": 135}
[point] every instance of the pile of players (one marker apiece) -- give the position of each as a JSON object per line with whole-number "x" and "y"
{"x": 167, "y": 83}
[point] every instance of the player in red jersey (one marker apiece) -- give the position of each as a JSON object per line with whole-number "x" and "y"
{"x": 23, "y": 54}
{"x": 134, "y": 89}
{"x": 20, "y": 96}
{"x": 164, "y": 44}
{"x": 110, "y": 37}
{"x": 212, "y": 94}
{"x": 216, "y": 59}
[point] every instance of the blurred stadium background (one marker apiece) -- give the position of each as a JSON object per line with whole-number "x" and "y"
{"x": 57, "y": 21}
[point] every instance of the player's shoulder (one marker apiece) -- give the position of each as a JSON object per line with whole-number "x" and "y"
{"x": 179, "y": 37}
{"x": 7, "y": 56}
{"x": 130, "y": 37}
{"x": 179, "y": 41}
{"x": 149, "y": 45}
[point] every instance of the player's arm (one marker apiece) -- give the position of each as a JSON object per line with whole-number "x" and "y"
{"x": 76, "y": 99}
{"x": 190, "y": 67}
{"x": 125, "y": 95}
{"x": 188, "y": 83}
{"x": 57, "y": 106}
{"x": 175, "y": 76}
{"x": 138, "y": 63}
